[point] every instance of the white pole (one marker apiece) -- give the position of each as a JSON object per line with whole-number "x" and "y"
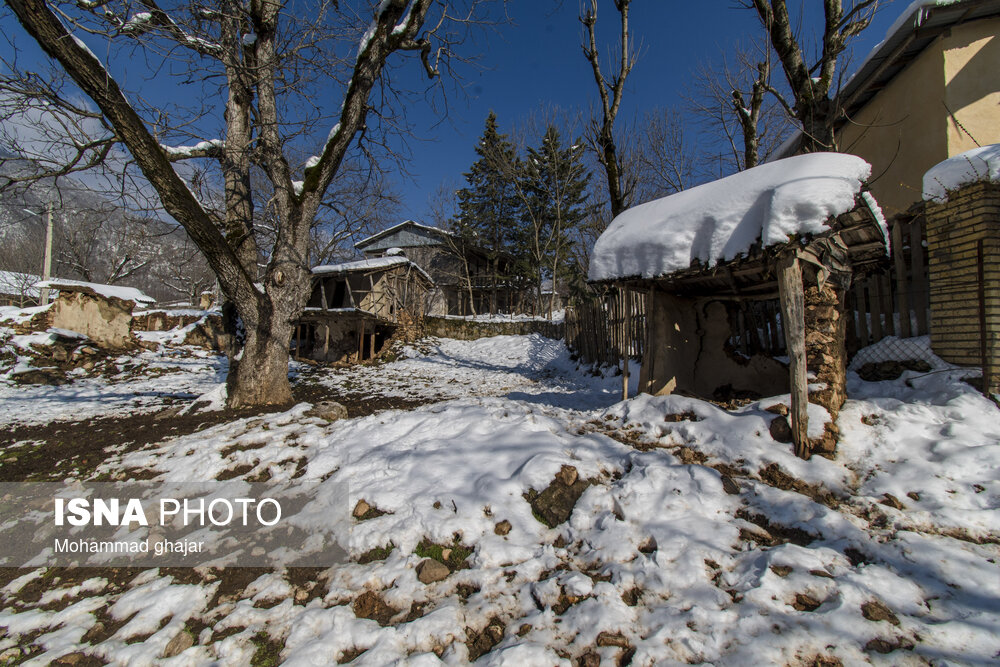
{"x": 47, "y": 266}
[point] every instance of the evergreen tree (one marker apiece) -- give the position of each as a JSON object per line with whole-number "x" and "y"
{"x": 489, "y": 206}
{"x": 554, "y": 182}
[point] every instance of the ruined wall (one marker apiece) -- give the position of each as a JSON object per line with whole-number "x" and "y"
{"x": 106, "y": 321}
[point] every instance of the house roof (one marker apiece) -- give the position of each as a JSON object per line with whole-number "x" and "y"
{"x": 108, "y": 291}
{"x": 921, "y": 23}
{"x": 364, "y": 265}
{"x": 731, "y": 217}
{"x": 364, "y": 243}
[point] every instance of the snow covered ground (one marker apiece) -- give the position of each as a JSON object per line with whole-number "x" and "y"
{"x": 146, "y": 381}
{"x": 698, "y": 539}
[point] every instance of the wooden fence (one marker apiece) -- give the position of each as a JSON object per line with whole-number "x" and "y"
{"x": 603, "y": 330}
{"x": 890, "y": 303}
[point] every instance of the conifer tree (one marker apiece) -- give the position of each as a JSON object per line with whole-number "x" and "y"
{"x": 489, "y": 206}
{"x": 554, "y": 190}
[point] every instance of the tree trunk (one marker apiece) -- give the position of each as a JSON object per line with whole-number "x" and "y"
{"x": 260, "y": 375}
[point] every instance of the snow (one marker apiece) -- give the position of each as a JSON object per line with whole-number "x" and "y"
{"x": 656, "y": 549}
{"x": 108, "y": 291}
{"x": 722, "y": 220}
{"x": 182, "y": 152}
{"x": 169, "y": 376}
{"x": 978, "y": 164}
{"x": 372, "y": 263}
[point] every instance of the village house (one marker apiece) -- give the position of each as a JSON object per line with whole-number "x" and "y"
{"x": 928, "y": 92}
{"x": 356, "y": 307}
{"x": 466, "y": 280}
{"x": 793, "y": 233}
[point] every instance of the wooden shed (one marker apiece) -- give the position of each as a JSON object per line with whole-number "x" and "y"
{"x": 357, "y": 306}
{"x": 794, "y": 232}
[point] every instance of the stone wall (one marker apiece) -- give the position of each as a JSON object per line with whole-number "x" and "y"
{"x": 462, "y": 329}
{"x": 954, "y": 231}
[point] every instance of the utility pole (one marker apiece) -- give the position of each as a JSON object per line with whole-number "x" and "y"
{"x": 47, "y": 264}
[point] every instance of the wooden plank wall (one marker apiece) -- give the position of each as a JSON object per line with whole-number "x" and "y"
{"x": 598, "y": 332}
{"x": 875, "y": 305}
{"x": 894, "y": 303}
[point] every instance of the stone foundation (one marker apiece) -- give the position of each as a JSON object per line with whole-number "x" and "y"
{"x": 826, "y": 353}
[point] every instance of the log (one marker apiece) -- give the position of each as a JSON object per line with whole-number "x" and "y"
{"x": 792, "y": 296}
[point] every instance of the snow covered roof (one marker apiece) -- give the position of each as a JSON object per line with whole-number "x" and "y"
{"x": 724, "y": 219}
{"x": 12, "y": 282}
{"x": 109, "y": 291}
{"x": 373, "y": 263}
{"x": 917, "y": 26}
{"x": 979, "y": 164}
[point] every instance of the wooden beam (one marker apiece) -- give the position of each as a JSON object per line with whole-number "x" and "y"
{"x": 902, "y": 284}
{"x": 626, "y": 342}
{"x": 322, "y": 293}
{"x": 792, "y": 296}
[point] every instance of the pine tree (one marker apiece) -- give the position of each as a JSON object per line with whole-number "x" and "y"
{"x": 555, "y": 181}
{"x": 489, "y": 206}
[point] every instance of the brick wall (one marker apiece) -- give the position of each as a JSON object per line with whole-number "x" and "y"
{"x": 954, "y": 230}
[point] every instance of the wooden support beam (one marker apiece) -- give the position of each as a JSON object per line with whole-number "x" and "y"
{"x": 902, "y": 284}
{"x": 792, "y": 296}
{"x": 322, "y": 294}
{"x": 626, "y": 342}
{"x": 361, "y": 343}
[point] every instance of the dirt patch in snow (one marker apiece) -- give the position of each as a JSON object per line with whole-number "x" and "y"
{"x": 59, "y": 450}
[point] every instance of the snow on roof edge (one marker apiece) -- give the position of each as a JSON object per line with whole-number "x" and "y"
{"x": 978, "y": 164}
{"x": 108, "y": 291}
{"x": 722, "y": 220}
{"x": 370, "y": 263}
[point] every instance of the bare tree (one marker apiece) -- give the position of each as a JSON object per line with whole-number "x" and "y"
{"x": 815, "y": 92}
{"x": 735, "y": 103}
{"x": 272, "y": 62}
{"x": 664, "y": 160}
{"x": 611, "y": 92}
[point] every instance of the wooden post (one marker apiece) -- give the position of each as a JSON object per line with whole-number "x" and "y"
{"x": 322, "y": 293}
{"x": 985, "y": 351}
{"x": 326, "y": 342}
{"x": 792, "y": 296}
{"x": 861, "y": 306}
{"x": 921, "y": 292}
{"x": 902, "y": 284}
{"x": 361, "y": 343}
{"x": 626, "y": 339}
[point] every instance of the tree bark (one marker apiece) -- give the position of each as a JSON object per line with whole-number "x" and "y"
{"x": 259, "y": 375}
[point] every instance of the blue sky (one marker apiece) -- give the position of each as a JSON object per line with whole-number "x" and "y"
{"x": 534, "y": 62}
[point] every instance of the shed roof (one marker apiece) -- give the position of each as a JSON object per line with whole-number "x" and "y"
{"x": 729, "y": 218}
